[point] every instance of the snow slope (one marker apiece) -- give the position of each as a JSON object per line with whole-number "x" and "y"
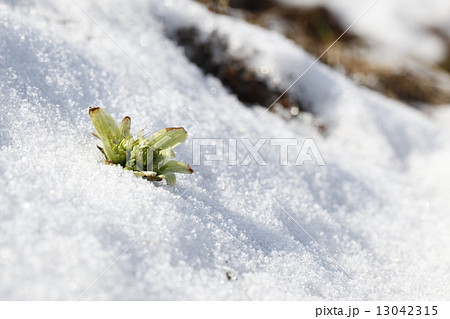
{"x": 378, "y": 212}
{"x": 394, "y": 28}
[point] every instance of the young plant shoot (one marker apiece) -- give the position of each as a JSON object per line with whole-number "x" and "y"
{"x": 148, "y": 157}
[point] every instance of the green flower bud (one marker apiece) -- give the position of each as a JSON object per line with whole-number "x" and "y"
{"x": 148, "y": 157}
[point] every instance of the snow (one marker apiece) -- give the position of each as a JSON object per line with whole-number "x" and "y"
{"x": 378, "y": 212}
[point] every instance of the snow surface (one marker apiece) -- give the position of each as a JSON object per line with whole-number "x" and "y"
{"x": 379, "y": 207}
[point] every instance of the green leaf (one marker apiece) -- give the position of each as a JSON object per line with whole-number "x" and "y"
{"x": 125, "y": 127}
{"x": 145, "y": 173}
{"x": 176, "y": 167}
{"x": 105, "y": 125}
{"x": 109, "y": 134}
{"x": 140, "y": 135}
{"x": 112, "y": 153}
{"x": 168, "y": 138}
{"x": 161, "y": 158}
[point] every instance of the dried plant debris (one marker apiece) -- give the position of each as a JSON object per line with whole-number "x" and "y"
{"x": 316, "y": 28}
{"x": 148, "y": 157}
{"x": 403, "y": 84}
{"x": 252, "y": 5}
{"x": 211, "y": 55}
{"x": 223, "y": 6}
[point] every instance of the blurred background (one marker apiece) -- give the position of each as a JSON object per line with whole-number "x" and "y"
{"x": 400, "y": 48}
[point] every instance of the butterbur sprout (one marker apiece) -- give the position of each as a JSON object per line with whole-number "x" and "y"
{"x": 149, "y": 157}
